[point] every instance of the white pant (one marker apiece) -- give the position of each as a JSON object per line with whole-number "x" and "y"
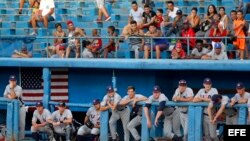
{"x": 136, "y": 48}
{"x": 22, "y": 117}
{"x": 84, "y": 130}
{"x": 100, "y": 3}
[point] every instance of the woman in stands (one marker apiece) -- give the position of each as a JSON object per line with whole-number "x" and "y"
{"x": 194, "y": 19}
{"x": 224, "y": 18}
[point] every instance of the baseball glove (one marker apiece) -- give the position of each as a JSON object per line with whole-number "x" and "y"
{"x": 89, "y": 124}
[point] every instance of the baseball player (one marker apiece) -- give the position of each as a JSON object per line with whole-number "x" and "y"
{"x": 110, "y": 101}
{"x": 240, "y": 97}
{"x": 183, "y": 94}
{"x": 39, "y": 122}
{"x": 62, "y": 121}
{"x": 131, "y": 99}
{"x": 91, "y": 121}
{"x": 248, "y": 105}
{"x": 204, "y": 95}
{"x": 213, "y": 114}
{"x": 13, "y": 91}
{"x": 169, "y": 113}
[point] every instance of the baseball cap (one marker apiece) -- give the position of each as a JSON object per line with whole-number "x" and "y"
{"x": 207, "y": 81}
{"x": 110, "y": 89}
{"x": 156, "y": 89}
{"x": 179, "y": 12}
{"x": 217, "y": 46}
{"x": 61, "y": 104}
{"x": 216, "y": 98}
{"x": 39, "y": 104}
{"x": 12, "y": 78}
{"x": 178, "y": 45}
{"x": 70, "y": 22}
{"x": 240, "y": 85}
{"x": 182, "y": 82}
{"x": 96, "y": 101}
{"x": 61, "y": 47}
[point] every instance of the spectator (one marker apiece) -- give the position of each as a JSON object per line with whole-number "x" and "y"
{"x": 217, "y": 30}
{"x": 194, "y": 19}
{"x": 159, "y": 18}
{"x": 217, "y": 54}
{"x": 239, "y": 25}
{"x": 73, "y": 41}
{"x": 46, "y": 14}
{"x": 136, "y": 13}
{"x": 96, "y": 43}
{"x": 178, "y": 52}
{"x": 111, "y": 46}
{"x": 230, "y": 28}
{"x": 21, "y": 4}
{"x": 61, "y": 52}
{"x": 206, "y": 22}
{"x": 87, "y": 51}
{"x": 199, "y": 50}
{"x": 171, "y": 10}
{"x": 224, "y": 18}
{"x": 159, "y": 44}
{"x": 148, "y": 16}
{"x": 187, "y": 32}
{"x": 24, "y": 53}
{"x": 102, "y": 10}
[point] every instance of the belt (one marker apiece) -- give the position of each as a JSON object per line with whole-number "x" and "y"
{"x": 205, "y": 114}
{"x": 121, "y": 109}
{"x": 183, "y": 112}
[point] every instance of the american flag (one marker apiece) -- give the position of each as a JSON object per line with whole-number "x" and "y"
{"x": 32, "y": 84}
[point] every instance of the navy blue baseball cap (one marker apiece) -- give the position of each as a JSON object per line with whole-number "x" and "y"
{"x": 61, "y": 104}
{"x": 110, "y": 89}
{"x": 12, "y": 78}
{"x": 207, "y": 81}
{"x": 182, "y": 82}
{"x": 217, "y": 46}
{"x": 216, "y": 98}
{"x": 240, "y": 85}
{"x": 156, "y": 89}
{"x": 179, "y": 12}
{"x": 38, "y": 104}
{"x": 96, "y": 101}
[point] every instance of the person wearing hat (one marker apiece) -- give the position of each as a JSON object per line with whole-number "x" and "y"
{"x": 204, "y": 95}
{"x": 61, "y": 52}
{"x": 40, "y": 122}
{"x": 74, "y": 43}
{"x": 171, "y": 119}
{"x": 178, "y": 52}
{"x": 241, "y": 97}
{"x": 183, "y": 94}
{"x": 217, "y": 54}
{"x": 91, "y": 122}
{"x": 111, "y": 102}
{"x": 130, "y": 100}
{"x": 14, "y": 91}
{"x": 61, "y": 120}
{"x": 23, "y": 53}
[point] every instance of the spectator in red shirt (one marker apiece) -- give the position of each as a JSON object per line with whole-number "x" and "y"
{"x": 178, "y": 52}
{"x": 159, "y": 18}
{"x": 217, "y": 31}
{"x": 187, "y": 32}
{"x": 96, "y": 43}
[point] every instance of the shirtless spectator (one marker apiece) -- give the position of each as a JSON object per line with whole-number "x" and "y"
{"x": 148, "y": 16}
{"x": 102, "y": 11}
{"x": 45, "y": 14}
{"x": 73, "y": 41}
{"x": 21, "y": 4}
{"x": 23, "y": 53}
{"x": 111, "y": 46}
{"x": 199, "y": 50}
{"x": 194, "y": 19}
{"x": 178, "y": 52}
{"x": 217, "y": 54}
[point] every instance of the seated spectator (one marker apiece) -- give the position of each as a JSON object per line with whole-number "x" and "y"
{"x": 148, "y": 17}
{"x": 102, "y": 10}
{"x": 45, "y": 14}
{"x": 171, "y": 10}
{"x": 224, "y": 18}
{"x": 199, "y": 50}
{"x": 135, "y": 13}
{"x": 194, "y": 19}
{"x": 217, "y": 54}
{"x": 111, "y": 46}
{"x": 61, "y": 52}
{"x": 187, "y": 32}
{"x": 96, "y": 43}
{"x": 74, "y": 43}
{"x": 159, "y": 44}
{"x": 87, "y": 51}
{"x": 217, "y": 31}
{"x": 148, "y": 2}
{"x": 178, "y": 52}
{"x": 24, "y": 53}
{"x": 159, "y": 18}
{"x": 21, "y": 4}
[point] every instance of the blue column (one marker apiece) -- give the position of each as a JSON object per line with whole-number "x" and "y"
{"x": 191, "y": 123}
{"x": 144, "y": 128}
{"x": 242, "y": 115}
{"x": 198, "y": 123}
{"x": 16, "y": 110}
{"x": 9, "y": 121}
{"x": 46, "y": 87}
{"x": 153, "y": 114}
{"x": 104, "y": 126}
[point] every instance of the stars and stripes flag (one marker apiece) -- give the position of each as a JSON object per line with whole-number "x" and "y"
{"x": 32, "y": 84}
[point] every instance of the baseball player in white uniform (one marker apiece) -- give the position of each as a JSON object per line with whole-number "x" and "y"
{"x": 130, "y": 100}
{"x": 183, "y": 94}
{"x": 111, "y": 101}
{"x": 213, "y": 115}
{"x": 91, "y": 122}
{"x": 168, "y": 112}
{"x": 241, "y": 97}
{"x": 39, "y": 122}
{"x": 204, "y": 95}
{"x": 14, "y": 91}
{"x": 248, "y": 105}
{"x": 62, "y": 121}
